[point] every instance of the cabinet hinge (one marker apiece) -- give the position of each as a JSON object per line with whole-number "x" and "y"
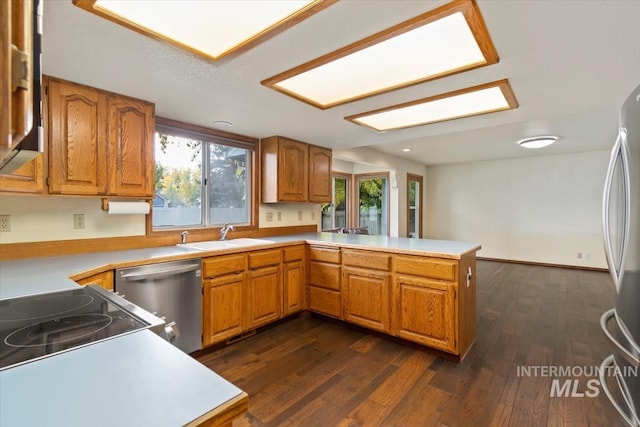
{"x": 46, "y": 90}
{"x": 46, "y": 181}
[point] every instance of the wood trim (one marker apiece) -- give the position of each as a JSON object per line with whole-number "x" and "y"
{"x": 224, "y": 414}
{"x": 543, "y": 264}
{"x": 13, "y": 251}
{"x": 227, "y": 136}
{"x": 503, "y": 85}
{"x": 469, "y": 9}
{"x": 420, "y": 180}
{"x": 5, "y": 78}
{"x": 266, "y": 34}
{"x": 349, "y": 196}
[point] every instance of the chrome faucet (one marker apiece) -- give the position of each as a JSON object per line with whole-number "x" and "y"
{"x": 183, "y": 237}
{"x": 224, "y": 230}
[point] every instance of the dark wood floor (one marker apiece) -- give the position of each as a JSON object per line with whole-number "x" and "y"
{"x": 309, "y": 372}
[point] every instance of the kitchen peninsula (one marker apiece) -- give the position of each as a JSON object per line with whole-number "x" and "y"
{"x": 376, "y": 282}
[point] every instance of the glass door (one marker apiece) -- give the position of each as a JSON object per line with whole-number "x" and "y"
{"x": 373, "y": 203}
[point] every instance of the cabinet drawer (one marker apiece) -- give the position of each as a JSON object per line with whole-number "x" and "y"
{"x": 264, "y": 258}
{"x": 436, "y": 268}
{"x": 218, "y": 266}
{"x": 293, "y": 253}
{"x": 325, "y": 275}
{"x": 324, "y": 254}
{"x": 325, "y": 301}
{"x": 371, "y": 260}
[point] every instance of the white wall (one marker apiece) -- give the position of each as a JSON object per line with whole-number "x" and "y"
{"x": 42, "y": 219}
{"x": 366, "y": 160}
{"x": 541, "y": 209}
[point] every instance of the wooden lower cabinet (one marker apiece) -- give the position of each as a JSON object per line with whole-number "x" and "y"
{"x": 424, "y": 311}
{"x": 325, "y": 281}
{"x": 223, "y": 306}
{"x": 365, "y": 296}
{"x": 293, "y": 280}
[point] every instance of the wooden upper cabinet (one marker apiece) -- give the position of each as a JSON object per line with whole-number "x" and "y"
{"x": 319, "y": 175}
{"x": 130, "y": 130}
{"x": 27, "y": 179}
{"x": 15, "y": 102}
{"x": 99, "y": 143}
{"x": 293, "y": 171}
{"x": 77, "y": 138}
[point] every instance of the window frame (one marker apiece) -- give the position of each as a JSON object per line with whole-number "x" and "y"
{"x": 220, "y": 137}
{"x": 420, "y": 180}
{"x": 348, "y": 197}
{"x": 356, "y": 199}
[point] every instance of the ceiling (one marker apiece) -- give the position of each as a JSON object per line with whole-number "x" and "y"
{"x": 571, "y": 65}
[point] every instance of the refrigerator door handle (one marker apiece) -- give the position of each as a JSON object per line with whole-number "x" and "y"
{"x": 628, "y": 356}
{"x": 619, "y": 151}
{"x": 608, "y": 363}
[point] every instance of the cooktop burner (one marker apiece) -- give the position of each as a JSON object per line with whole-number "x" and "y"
{"x": 38, "y": 326}
{"x": 38, "y": 306}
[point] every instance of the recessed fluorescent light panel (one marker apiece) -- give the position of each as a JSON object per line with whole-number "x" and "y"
{"x": 486, "y": 98}
{"x": 211, "y": 29}
{"x": 441, "y": 42}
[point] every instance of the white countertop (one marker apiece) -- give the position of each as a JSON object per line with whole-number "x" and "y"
{"x": 137, "y": 379}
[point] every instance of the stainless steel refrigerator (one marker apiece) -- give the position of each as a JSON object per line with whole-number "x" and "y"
{"x": 621, "y": 228}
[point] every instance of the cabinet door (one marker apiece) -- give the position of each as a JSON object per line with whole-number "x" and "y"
{"x": 293, "y": 287}
{"x": 319, "y": 175}
{"x": 293, "y": 178}
{"x": 365, "y": 296}
{"x": 131, "y": 160}
{"x": 27, "y": 179}
{"x": 15, "y": 31}
{"x": 264, "y": 296}
{"x": 222, "y": 308}
{"x": 425, "y": 311}
{"x": 77, "y": 139}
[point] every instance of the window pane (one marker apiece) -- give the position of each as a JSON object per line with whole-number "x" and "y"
{"x": 178, "y": 182}
{"x": 373, "y": 205}
{"x": 414, "y": 215}
{"x": 340, "y": 202}
{"x": 229, "y": 193}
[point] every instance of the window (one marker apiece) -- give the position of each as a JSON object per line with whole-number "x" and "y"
{"x": 373, "y": 203}
{"x": 202, "y": 179}
{"x": 414, "y": 206}
{"x": 336, "y": 214}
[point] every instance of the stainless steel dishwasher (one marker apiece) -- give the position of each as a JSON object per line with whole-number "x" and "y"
{"x": 172, "y": 290}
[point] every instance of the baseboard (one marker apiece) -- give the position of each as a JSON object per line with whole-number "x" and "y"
{"x": 543, "y": 264}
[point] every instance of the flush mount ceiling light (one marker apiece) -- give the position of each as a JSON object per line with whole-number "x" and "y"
{"x": 212, "y": 29}
{"x": 472, "y": 101}
{"x": 537, "y": 141}
{"x": 222, "y": 124}
{"x": 406, "y": 150}
{"x": 441, "y": 42}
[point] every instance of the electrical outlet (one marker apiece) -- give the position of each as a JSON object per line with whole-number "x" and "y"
{"x": 299, "y": 215}
{"x": 78, "y": 221}
{"x": 279, "y": 216}
{"x": 313, "y": 215}
{"x": 5, "y": 223}
{"x": 579, "y": 255}
{"x": 269, "y": 216}
{"x": 586, "y": 255}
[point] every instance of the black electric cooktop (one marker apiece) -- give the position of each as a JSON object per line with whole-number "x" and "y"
{"x": 38, "y": 326}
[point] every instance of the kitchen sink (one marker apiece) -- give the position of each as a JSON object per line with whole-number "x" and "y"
{"x": 212, "y": 245}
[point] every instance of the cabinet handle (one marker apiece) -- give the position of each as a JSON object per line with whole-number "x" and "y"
{"x": 469, "y": 277}
{"x": 19, "y": 69}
